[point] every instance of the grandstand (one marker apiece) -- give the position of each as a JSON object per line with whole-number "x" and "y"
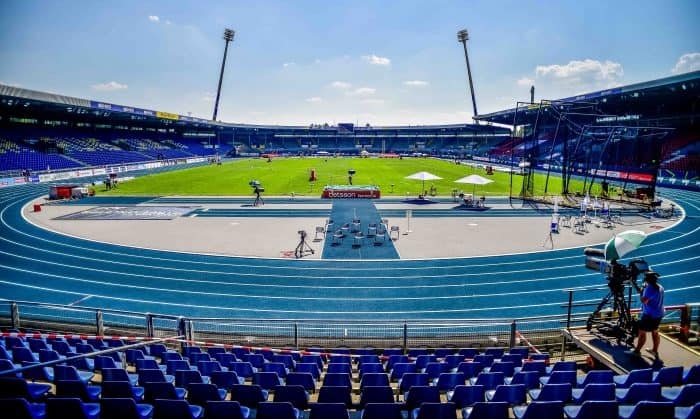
{"x": 465, "y": 337}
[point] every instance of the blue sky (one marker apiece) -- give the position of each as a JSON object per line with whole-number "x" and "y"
{"x": 300, "y": 62}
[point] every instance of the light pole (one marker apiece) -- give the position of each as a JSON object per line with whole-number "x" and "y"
{"x": 228, "y": 37}
{"x": 463, "y": 36}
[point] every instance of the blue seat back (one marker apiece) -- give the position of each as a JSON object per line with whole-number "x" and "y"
{"x": 271, "y": 410}
{"x": 200, "y": 393}
{"x": 421, "y": 394}
{"x": 510, "y": 393}
{"x": 538, "y": 410}
{"x": 58, "y": 407}
{"x": 337, "y": 379}
{"x": 490, "y": 380}
{"x": 335, "y": 394}
{"x": 303, "y": 379}
{"x": 374, "y": 379}
{"x": 470, "y": 369}
{"x": 266, "y": 380}
{"x": 490, "y": 410}
{"x": 437, "y": 411}
{"x": 226, "y": 409}
{"x": 464, "y": 395}
{"x": 159, "y": 390}
{"x": 555, "y": 392}
{"x": 597, "y": 377}
{"x": 669, "y": 376}
{"x": 376, "y": 394}
{"x": 224, "y": 379}
{"x": 638, "y": 392}
{"x": 296, "y": 395}
{"x": 171, "y": 409}
{"x": 249, "y": 395}
{"x": 382, "y": 411}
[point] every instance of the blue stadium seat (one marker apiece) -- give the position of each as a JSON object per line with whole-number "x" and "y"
{"x": 687, "y": 395}
{"x": 435, "y": 411}
{"x": 561, "y": 366}
{"x": 121, "y": 389}
{"x": 118, "y": 374}
{"x": 595, "y": 377}
{"x": 296, "y": 395}
{"x": 592, "y": 409}
{"x": 225, "y": 379}
{"x": 200, "y": 393}
{"x": 468, "y": 352}
{"x": 171, "y": 365}
{"x": 490, "y": 380}
{"x": 183, "y": 378}
{"x": 418, "y": 395}
{"x": 552, "y": 392}
{"x": 464, "y": 396}
{"x": 162, "y": 390}
{"x": 69, "y": 372}
{"x": 491, "y": 410}
{"x": 448, "y": 381}
{"x": 124, "y": 408}
{"x": 154, "y": 376}
{"x": 332, "y": 379}
{"x": 644, "y": 375}
{"x": 102, "y": 362}
{"x": 537, "y": 366}
{"x": 13, "y": 387}
{"x": 176, "y": 409}
{"x": 597, "y": 392}
{"x": 470, "y": 369}
{"x": 338, "y": 368}
{"x": 248, "y": 395}
{"x": 272, "y": 410}
{"x": 381, "y": 411}
{"x": 149, "y": 364}
{"x": 267, "y": 380}
{"x": 366, "y": 368}
{"x": 559, "y": 377}
{"x": 79, "y": 389}
{"x": 692, "y": 375}
{"x": 638, "y": 392}
{"x": 423, "y": 360}
{"x": 411, "y": 379}
{"x": 335, "y": 394}
{"x": 646, "y": 409}
{"x": 243, "y": 369}
{"x": 19, "y": 408}
{"x": 512, "y": 394}
{"x": 530, "y": 379}
{"x": 61, "y": 408}
{"x": 538, "y": 410}
{"x": 328, "y": 411}
{"x": 376, "y": 394}
{"x": 303, "y": 379}
{"x": 668, "y": 376}
{"x": 226, "y": 409}
{"x": 691, "y": 412}
{"x": 507, "y": 368}
{"x": 401, "y": 368}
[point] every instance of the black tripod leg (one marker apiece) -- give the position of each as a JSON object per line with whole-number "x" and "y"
{"x": 603, "y": 303}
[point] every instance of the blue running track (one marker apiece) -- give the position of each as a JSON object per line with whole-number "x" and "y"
{"x": 38, "y": 265}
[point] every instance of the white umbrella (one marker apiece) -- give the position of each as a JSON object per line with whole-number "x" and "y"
{"x": 474, "y": 180}
{"x": 555, "y": 210}
{"x": 423, "y": 176}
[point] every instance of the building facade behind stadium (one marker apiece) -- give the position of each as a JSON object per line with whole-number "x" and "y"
{"x": 42, "y": 132}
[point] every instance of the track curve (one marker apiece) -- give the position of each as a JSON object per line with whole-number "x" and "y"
{"x": 43, "y": 266}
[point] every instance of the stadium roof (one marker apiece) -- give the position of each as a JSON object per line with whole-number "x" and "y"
{"x": 44, "y": 102}
{"x": 643, "y": 98}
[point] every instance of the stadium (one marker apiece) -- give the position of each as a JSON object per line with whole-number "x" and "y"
{"x": 218, "y": 269}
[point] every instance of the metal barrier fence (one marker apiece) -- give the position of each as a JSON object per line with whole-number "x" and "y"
{"x": 543, "y": 333}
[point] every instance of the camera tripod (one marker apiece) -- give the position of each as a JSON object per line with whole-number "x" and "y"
{"x": 303, "y": 247}
{"x": 618, "y": 324}
{"x": 258, "y": 200}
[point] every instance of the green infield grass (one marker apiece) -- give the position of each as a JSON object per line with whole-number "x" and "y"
{"x": 283, "y": 176}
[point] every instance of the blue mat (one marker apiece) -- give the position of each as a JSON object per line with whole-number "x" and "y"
{"x": 343, "y": 212}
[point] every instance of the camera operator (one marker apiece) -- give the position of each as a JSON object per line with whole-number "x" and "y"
{"x": 652, "y": 297}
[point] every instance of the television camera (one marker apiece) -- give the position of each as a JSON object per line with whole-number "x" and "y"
{"x": 619, "y": 322}
{"x": 257, "y": 190}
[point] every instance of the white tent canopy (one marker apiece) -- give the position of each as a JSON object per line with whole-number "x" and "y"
{"x": 474, "y": 180}
{"x": 423, "y": 176}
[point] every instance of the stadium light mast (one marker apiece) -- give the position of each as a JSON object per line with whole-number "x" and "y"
{"x": 463, "y": 36}
{"x": 228, "y": 37}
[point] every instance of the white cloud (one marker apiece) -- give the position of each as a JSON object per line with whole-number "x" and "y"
{"x": 363, "y": 91}
{"x": 153, "y": 18}
{"x": 208, "y": 97}
{"x": 526, "y": 82}
{"x": 109, "y": 86}
{"x": 580, "y": 71}
{"x": 341, "y": 85}
{"x": 317, "y": 61}
{"x": 376, "y": 60}
{"x": 289, "y": 64}
{"x": 167, "y": 22}
{"x": 373, "y": 101}
{"x": 314, "y": 99}
{"x": 416, "y": 83}
{"x": 687, "y": 63}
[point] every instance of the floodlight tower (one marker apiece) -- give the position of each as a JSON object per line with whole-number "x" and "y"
{"x": 228, "y": 37}
{"x": 463, "y": 36}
